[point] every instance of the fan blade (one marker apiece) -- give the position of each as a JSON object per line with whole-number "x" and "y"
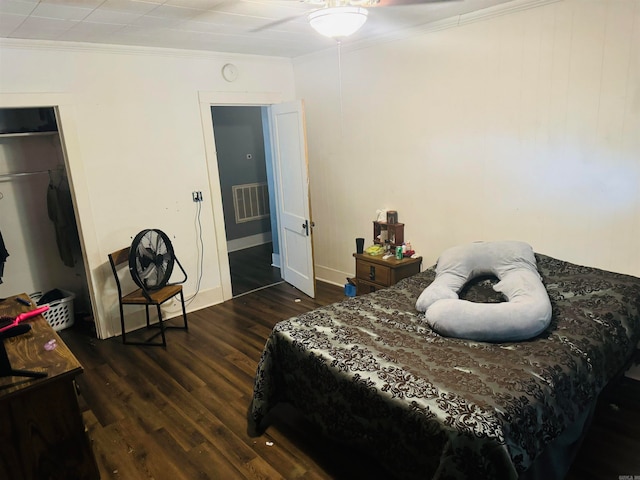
{"x": 153, "y": 244}
{"x": 160, "y": 246}
{"x": 160, "y": 273}
{"x": 145, "y": 251}
{"x": 153, "y": 274}
{"x": 147, "y": 273}
{"x": 146, "y": 257}
{"x": 275, "y": 23}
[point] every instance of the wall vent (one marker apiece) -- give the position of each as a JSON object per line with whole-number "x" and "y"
{"x": 250, "y": 201}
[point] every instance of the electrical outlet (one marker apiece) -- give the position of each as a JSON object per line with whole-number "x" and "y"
{"x": 197, "y": 196}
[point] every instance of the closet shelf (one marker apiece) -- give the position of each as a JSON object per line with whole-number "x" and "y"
{"x": 27, "y": 134}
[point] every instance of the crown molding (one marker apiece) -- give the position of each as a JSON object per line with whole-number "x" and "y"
{"x": 503, "y": 9}
{"x": 107, "y": 48}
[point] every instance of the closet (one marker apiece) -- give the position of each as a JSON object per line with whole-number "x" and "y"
{"x": 37, "y": 219}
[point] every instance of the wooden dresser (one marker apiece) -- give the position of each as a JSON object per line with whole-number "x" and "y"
{"x": 42, "y": 434}
{"x": 374, "y": 273}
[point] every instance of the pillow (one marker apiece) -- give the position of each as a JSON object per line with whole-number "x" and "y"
{"x": 526, "y": 314}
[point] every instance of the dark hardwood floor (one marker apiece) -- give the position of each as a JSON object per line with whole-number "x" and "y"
{"x": 180, "y": 413}
{"x": 611, "y": 449}
{"x": 251, "y": 269}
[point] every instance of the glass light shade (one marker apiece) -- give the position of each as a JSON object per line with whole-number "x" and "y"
{"x": 336, "y": 22}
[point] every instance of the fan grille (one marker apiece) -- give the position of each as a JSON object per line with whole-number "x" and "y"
{"x": 151, "y": 259}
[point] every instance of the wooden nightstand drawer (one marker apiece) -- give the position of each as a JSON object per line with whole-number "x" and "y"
{"x": 365, "y": 287}
{"x": 371, "y": 272}
{"x": 374, "y": 273}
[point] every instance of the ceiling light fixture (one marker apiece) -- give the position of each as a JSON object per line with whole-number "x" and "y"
{"x": 338, "y": 22}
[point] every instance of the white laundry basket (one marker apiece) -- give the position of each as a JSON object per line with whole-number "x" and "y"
{"x": 60, "y": 314}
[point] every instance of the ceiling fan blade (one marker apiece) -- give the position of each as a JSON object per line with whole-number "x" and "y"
{"x": 275, "y": 23}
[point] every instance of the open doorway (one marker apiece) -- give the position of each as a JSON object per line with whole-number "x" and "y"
{"x": 247, "y": 197}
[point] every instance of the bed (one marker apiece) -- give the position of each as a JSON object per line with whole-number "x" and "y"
{"x": 371, "y": 373}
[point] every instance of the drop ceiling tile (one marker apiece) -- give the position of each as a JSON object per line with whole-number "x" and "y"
{"x": 198, "y": 4}
{"x": 244, "y": 22}
{"x": 90, "y": 32}
{"x": 74, "y": 3}
{"x": 8, "y": 23}
{"x": 135, "y": 31}
{"x": 179, "y": 35}
{"x": 129, "y": 6}
{"x": 42, "y": 28}
{"x": 210, "y": 16}
{"x": 112, "y": 16}
{"x": 155, "y": 22}
{"x": 266, "y": 9}
{"x": 61, "y": 12}
{"x": 17, "y": 7}
{"x": 208, "y": 27}
{"x": 176, "y": 13}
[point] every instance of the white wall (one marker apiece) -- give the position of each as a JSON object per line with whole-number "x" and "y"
{"x": 132, "y": 126}
{"x": 518, "y": 126}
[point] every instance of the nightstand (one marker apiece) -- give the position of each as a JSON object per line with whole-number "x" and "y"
{"x": 374, "y": 273}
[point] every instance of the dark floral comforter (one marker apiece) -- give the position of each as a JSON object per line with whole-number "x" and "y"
{"x": 371, "y": 373}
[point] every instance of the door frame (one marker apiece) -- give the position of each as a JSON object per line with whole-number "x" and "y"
{"x": 208, "y": 100}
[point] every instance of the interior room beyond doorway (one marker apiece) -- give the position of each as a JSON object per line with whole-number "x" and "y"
{"x": 246, "y": 190}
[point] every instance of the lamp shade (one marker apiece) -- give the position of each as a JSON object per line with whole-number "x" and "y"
{"x": 336, "y": 22}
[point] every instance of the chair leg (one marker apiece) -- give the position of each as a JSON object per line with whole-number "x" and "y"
{"x": 161, "y": 323}
{"x": 184, "y": 312}
{"x": 124, "y": 333}
{"x": 148, "y": 341}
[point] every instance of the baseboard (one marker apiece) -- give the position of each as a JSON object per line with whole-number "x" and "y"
{"x": 203, "y": 299}
{"x": 248, "y": 242}
{"x": 332, "y": 276}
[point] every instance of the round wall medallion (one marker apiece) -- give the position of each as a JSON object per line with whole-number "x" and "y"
{"x": 229, "y": 72}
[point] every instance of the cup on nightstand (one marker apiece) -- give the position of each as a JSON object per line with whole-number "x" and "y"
{"x": 359, "y": 245}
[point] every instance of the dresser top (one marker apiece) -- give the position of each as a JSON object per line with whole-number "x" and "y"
{"x": 27, "y": 352}
{"x": 389, "y": 262}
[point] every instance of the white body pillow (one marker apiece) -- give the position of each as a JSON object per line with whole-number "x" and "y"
{"x": 526, "y": 314}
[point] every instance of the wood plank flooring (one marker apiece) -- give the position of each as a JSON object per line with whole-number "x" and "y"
{"x": 251, "y": 269}
{"x": 180, "y": 413}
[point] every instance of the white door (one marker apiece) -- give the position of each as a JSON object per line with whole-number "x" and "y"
{"x": 293, "y": 207}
